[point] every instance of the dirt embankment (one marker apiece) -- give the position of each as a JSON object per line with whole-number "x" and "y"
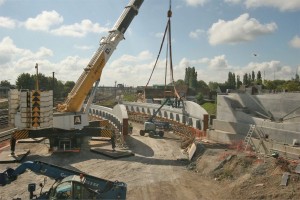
{"x": 245, "y": 176}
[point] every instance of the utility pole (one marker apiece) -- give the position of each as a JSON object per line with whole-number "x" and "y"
{"x": 37, "y": 77}
{"x": 115, "y": 89}
{"x": 53, "y": 86}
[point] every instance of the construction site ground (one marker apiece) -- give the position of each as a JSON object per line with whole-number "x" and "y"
{"x": 159, "y": 170}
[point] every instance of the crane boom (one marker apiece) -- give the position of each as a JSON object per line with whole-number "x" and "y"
{"x": 93, "y": 71}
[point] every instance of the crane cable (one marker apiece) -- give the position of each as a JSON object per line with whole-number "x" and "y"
{"x": 168, "y": 52}
{"x": 158, "y": 54}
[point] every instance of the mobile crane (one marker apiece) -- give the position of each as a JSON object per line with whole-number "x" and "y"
{"x": 69, "y": 184}
{"x": 66, "y": 126}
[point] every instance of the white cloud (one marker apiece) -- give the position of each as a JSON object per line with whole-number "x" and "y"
{"x": 232, "y": 1}
{"x": 159, "y": 35}
{"x": 2, "y": 2}
{"x": 216, "y": 69}
{"x": 208, "y": 69}
{"x": 196, "y": 34}
{"x": 270, "y": 70}
{"x": 131, "y": 60}
{"x": 47, "y": 19}
{"x": 196, "y": 2}
{"x": 79, "y": 29}
{"x": 238, "y": 30}
{"x": 218, "y": 62}
{"x": 44, "y": 52}
{"x": 8, "y": 51}
{"x": 6, "y": 22}
{"x": 289, "y": 5}
{"x": 295, "y": 42}
{"x": 44, "y": 21}
{"x": 133, "y": 70}
{"x": 83, "y": 47}
{"x": 14, "y": 60}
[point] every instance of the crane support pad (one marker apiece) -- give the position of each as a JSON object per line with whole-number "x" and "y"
{"x": 106, "y": 139}
{"x": 19, "y": 155}
{"x": 32, "y": 140}
{"x": 112, "y": 154}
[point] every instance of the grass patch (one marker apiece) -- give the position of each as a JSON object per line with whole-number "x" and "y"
{"x": 211, "y": 108}
{"x": 129, "y": 97}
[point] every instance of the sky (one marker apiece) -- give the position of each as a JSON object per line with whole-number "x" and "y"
{"x": 214, "y": 36}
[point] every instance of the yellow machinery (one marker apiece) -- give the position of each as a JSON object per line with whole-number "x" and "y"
{"x": 65, "y": 126}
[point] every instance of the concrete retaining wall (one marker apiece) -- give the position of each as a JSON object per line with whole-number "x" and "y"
{"x": 235, "y": 113}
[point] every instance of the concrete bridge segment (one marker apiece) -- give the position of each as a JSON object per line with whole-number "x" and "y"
{"x": 192, "y": 114}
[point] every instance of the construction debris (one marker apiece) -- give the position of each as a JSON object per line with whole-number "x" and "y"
{"x": 285, "y": 178}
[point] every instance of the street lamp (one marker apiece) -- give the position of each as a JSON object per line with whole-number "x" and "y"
{"x": 115, "y": 89}
{"x": 37, "y": 77}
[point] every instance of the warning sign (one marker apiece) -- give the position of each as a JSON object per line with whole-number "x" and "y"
{"x": 36, "y": 114}
{"x": 77, "y": 119}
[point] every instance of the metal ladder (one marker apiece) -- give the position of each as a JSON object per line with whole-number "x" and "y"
{"x": 248, "y": 139}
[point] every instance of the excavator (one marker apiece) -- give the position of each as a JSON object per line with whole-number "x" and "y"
{"x": 69, "y": 184}
{"x": 32, "y": 111}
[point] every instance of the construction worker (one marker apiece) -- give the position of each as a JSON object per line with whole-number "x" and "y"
{"x": 113, "y": 140}
{"x": 130, "y": 128}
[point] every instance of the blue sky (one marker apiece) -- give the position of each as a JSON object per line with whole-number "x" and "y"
{"x": 214, "y": 36}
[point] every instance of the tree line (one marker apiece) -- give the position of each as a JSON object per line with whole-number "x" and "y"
{"x": 235, "y": 82}
{"x": 198, "y": 87}
{"x": 27, "y": 81}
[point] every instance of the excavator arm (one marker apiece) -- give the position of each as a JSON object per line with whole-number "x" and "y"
{"x": 104, "y": 189}
{"x": 93, "y": 71}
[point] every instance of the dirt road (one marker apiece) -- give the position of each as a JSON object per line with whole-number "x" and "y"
{"x": 153, "y": 173}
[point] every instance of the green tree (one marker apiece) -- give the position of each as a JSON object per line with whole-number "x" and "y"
{"x": 231, "y": 83}
{"x": 297, "y": 77}
{"x": 253, "y": 77}
{"x": 200, "y": 98}
{"x": 238, "y": 82}
{"x": 292, "y": 86}
{"x": 25, "y": 81}
{"x": 5, "y": 83}
{"x": 201, "y": 85}
{"x": 59, "y": 89}
{"x": 259, "y": 78}
{"x": 179, "y": 82}
{"x": 190, "y": 77}
{"x": 213, "y": 86}
{"x": 68, "y": 87}
{"x": 44, "y": 83}
{"x": 276, "y": 85}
